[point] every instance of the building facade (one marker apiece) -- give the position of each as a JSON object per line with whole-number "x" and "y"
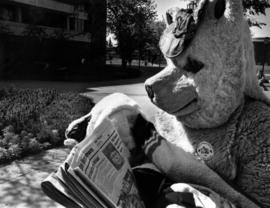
{"x": 38, "y": 35}
{"x": 262, "y": 50}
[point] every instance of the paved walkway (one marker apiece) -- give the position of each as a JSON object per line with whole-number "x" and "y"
{"x": 135, "y": 91}
{"x": 66, "y": 86}
{"x": 20, "y": 181}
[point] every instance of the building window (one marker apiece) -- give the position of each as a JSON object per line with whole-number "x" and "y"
{"x": 7, "y": 13}
{"x": 43, "y": 17}
{"x": 72, "y": 23}
{"x": 80, "y": 25}
{"x": 80, "y": 8}
{"x": 76, "y": 24}
{"x": 87, "y": 26}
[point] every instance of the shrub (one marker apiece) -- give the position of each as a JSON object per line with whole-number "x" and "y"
{"x": 35, "y": 120}
{"x": 18, "y": 106}
{"x": 4, "y": 155}
{"x": 34, "y": 146}
{"x": 64, "y": 109}
{"x": 15, "y": 150}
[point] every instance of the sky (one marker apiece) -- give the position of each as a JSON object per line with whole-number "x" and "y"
{"x": 164, "y": 5}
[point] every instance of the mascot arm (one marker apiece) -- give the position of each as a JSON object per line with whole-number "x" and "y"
{"x": 254, "y": 153}
{"x": 181, "y": 166}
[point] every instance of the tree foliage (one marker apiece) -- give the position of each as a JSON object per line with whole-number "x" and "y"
{"x": 129, "y": 20}
{"x": 157, "y": 28}
{"x": 135, "y": 26}
{"x": 255, "y": 7}
{"x": 251, "y": 9}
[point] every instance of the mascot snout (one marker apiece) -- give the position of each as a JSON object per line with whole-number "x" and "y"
{"x": 171, "y": 94}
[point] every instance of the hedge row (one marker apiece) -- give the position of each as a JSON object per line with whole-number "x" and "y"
{"x": 32, "y": 120}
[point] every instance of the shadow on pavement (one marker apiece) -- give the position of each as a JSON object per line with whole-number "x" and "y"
{"x": 20, "y": 180}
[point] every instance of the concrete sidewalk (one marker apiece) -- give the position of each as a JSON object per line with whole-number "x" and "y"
{"x": 66, "y": 86}
{"x": 20, "y": 180}
{"x": 134, "y": 91}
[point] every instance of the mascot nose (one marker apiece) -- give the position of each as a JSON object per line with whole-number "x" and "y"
{"x": 149, "y": 91}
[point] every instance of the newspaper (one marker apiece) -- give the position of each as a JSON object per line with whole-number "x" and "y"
{"x": 95, "y": 174}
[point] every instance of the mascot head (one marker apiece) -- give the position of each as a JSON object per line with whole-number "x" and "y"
{"x": 210, "y": 64}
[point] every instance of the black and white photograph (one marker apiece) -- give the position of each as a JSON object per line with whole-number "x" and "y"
{"x": 182, "y": 87}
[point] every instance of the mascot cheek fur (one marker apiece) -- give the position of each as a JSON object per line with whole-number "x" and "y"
{"x": 219, "y": 87}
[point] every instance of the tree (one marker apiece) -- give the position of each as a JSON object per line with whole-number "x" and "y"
{"x": 251, "y": 8}
{"x": 152, "y": 45}
{"x": 255, "y": 7}
{"x": 129, "y": 21}
{"x": 109, "y": 43}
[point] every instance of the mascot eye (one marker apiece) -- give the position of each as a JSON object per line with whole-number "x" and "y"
{"x": 193, "y": 65}
{"x": 220, "y": 8}
{"x": 169, "y": 19}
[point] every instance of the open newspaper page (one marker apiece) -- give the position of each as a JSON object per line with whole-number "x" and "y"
{"x": 100, "y": 165}
{"x": 59, "y": 191}
{"x": 64, "y": 189}
{"x": 96, "y": 174}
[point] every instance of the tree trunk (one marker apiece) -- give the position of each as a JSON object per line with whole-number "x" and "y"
{"x": 124, "y": 62}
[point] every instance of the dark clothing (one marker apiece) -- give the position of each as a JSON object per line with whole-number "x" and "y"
{"x": 155, "y": 191}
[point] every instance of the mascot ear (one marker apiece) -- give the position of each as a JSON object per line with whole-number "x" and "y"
{"x": 220, "y": 8}
{"x": 169, "y": 19}
{"x": 77, "y": 129}
{"x": 171, "y": 15}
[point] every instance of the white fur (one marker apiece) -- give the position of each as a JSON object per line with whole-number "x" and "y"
{"x": 120, "y": 109}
